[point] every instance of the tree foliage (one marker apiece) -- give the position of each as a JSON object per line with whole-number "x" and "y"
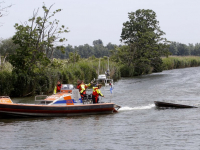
{"x": 37, "y": 40}
{"x": 3, "y": 9}
{"x": 74, "y": 57}
{"x": 86, "y": 50}
{"x": 181, "y": 49}
{"x": 98, "y": 42}
{"x": 7, "y": 47}
{"x": 144, "y": 42}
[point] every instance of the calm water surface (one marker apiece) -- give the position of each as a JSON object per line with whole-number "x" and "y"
{"x": 138, "y": 125}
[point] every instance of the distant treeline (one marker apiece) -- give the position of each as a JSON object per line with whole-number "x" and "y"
{"x": 99, "y": 50}
{"x": 85, "y": 51}
{"x": 180, "y": 49}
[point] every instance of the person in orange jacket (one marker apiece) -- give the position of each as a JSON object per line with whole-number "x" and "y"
{"x": 79, "y": 85}
{"x": 57, "y": 87}
{"x": 95, "y": 94}
{"x": 82, "y": 88}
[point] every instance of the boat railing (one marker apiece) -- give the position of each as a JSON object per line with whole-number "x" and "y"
{"x": 42, "y": 99}
{"x": 4, "y": 97}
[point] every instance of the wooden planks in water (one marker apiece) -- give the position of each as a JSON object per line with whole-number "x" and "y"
{"x": 172, "y": 105}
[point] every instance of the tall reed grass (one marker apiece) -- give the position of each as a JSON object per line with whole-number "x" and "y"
{"x": 19, "y": 84}
{"x": 175, "y": 62}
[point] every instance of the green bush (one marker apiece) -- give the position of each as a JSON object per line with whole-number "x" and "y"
{"x": 6, "y": 84}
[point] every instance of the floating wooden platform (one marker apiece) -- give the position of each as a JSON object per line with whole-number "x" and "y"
{"x": 172, "y": 105}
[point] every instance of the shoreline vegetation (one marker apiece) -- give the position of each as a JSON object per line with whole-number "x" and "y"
{"x": 176, "y": 62}
{"x": 19, "y": 84}
{"x": 86, "y": 69}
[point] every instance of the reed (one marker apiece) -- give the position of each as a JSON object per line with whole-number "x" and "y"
{"x": 19, "y": 84}
{"x": 175, "y": 62}
{"x": 14, "y": 83}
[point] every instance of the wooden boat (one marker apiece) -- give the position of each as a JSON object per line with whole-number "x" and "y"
{"x": 172, "y": 105}
{"x": 65, "y": 103}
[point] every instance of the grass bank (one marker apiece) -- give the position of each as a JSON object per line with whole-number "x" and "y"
{"x": 175, "y": 62}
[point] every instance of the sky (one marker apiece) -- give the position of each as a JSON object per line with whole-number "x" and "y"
{"x": 90, "y": 20}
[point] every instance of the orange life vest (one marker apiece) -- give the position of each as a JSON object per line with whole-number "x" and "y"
{"x": 96, "y": 92}
{"x": 58, "y": 87}
{"x": 79, "y": 87}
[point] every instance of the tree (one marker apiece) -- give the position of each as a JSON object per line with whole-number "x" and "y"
{"x": 74, "y": 57}
{"x": 173, "y": 48}
{"x": 7, "y": 47}
{"x": 183, "y": 50}
{"x": 97, "y": 42}
{"x": 3, "y": 9}
{"x": 196, "y": 50}
{"x": 143, "y": 36}
{"x": 111, "y": 46}
{"x": 191, "y": 48}
{"x": 37, "y": 40}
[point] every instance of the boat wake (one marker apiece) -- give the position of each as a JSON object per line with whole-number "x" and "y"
{"x": 136, "y": 108}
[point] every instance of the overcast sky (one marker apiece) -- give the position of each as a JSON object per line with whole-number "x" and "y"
{"x": 89, "y": 20}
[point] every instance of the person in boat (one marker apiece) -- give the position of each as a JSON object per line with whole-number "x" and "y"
{"x": 110, "y": 84}
{"x": 79, "y": 84}
{"x": 96, "y": 92}
{"x": 57, "y": 87}
{"x": 82, "y": 88}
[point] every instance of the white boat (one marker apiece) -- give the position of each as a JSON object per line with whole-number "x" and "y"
{"x": 105, "y": 78}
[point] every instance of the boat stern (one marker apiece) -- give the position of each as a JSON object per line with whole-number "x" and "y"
{"x": 5, "y": 100}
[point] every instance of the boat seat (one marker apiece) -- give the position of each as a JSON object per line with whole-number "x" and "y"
{"x": 87, "y": 99}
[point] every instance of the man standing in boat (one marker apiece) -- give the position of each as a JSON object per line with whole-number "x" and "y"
{"x": 79, "y": 85}
{"x": 82, "y": 88}
{"x": 96, "y": 93}
{"x": 57, "y": 87}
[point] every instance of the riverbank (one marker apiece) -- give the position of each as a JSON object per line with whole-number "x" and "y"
{"x": 175, "y": 62}
{"x": 20, "y": 84}
{"x": 171, "y": 62}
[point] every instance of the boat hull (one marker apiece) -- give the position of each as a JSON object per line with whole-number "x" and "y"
{"x": 28, "y": 110}
{"x": 172, "y": 105}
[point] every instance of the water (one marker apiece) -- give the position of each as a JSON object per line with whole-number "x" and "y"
{"x": 138, "y": 124}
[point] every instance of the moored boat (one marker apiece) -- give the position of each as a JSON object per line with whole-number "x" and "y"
{"x": 65, "y": 103}
{"x": 171, "y": 105}
{"x": 104, "y": 79}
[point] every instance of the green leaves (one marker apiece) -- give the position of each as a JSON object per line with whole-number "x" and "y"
{"x": 144, "y": 42}
{"x": 74, "y": 57}
{"x": 37, "y": 41}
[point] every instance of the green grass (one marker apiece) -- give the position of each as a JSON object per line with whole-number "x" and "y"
{"x": 175, "y": 62}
